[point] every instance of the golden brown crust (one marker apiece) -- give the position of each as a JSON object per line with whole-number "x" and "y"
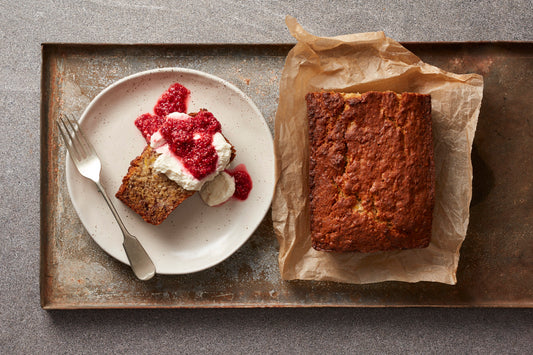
{"x": 152, "y": 195}
{"x": 371, "y": 171}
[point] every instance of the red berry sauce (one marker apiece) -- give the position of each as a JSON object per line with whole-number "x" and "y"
{"x": 172, "y": 100}
{"x": 191, "y": 141}
{"x": 148, "y": 124}
{"x": 243, "y": 182}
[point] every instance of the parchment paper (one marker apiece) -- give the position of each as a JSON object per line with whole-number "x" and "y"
{"x": 358, "y": 63}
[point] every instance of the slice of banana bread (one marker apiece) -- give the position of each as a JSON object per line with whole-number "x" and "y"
{"x": 152, "y": 195}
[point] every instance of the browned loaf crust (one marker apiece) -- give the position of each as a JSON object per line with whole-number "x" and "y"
{"x": 152, "y": 195}
{"x": 371, "y": 171}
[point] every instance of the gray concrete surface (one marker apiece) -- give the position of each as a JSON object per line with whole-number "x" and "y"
{"x": 26, "y": 328}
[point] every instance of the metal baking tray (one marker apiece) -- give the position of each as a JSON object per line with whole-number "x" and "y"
{"x": 495, "y": 269}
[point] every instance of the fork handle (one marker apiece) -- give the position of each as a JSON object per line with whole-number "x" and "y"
{"x": 140, "y": 261}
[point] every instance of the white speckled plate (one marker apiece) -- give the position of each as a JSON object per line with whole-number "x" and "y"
{"x": 194, "y": 237}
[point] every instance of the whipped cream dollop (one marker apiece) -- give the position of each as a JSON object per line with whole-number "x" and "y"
{"x": 218, "y": 190}
{"x": 171, "y": 165}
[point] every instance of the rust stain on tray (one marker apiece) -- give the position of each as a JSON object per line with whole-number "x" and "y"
{"x": 496, "y": 257}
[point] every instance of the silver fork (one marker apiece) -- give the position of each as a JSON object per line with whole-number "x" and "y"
{"x": 88, "y": 164}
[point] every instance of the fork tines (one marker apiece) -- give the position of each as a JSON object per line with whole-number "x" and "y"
{"x": 77, "y": 144}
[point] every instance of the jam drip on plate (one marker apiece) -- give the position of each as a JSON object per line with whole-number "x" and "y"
{"x": 243, "y": 182}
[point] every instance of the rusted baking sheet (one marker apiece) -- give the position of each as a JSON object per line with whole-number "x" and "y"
{"x": 496, "y": 263}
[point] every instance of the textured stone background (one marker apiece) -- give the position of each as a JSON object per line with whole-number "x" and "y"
{"x": 26, "y": 328}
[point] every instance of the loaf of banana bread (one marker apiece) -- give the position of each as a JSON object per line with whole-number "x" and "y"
{"x": 371, "y": 171}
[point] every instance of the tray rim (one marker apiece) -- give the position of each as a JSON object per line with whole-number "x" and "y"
{"x": 47, "y": 304}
